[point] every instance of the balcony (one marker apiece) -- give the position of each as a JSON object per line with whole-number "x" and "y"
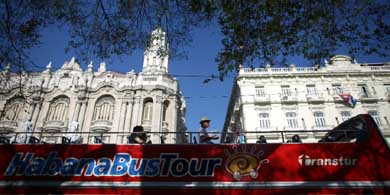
{"x": 299, "y": 129}
{"x": 325, "y": 127}
{"x": 291, "y": 98}
{"x": 8, "y": 125}
{"x": 147, "y": 123}
{"x": 337, "y": 98}
{"x": 101, "y": 125}
{"x": 385, "y": 129}
{"x": 315, "y": 98}
{"x": 367, "y": 97}
{"x": 323, "y": 130}
{"x": 55, "y": 125}
{"x": 268, "y": 133}
{"x": 262, "y": 98}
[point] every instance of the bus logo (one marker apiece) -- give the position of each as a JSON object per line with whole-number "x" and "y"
{"x": 242, "y": 162}
{"x": 306, "y": 160}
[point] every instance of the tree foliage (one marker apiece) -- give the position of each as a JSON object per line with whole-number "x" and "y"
{"x": 253, "y": 32}
{"x": 270, "y": 31}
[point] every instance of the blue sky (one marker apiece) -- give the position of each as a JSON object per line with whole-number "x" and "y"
{"x": 201, "y": 99}
{"x": 209, "y": 99}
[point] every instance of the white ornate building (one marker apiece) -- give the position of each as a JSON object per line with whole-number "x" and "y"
{"x": 100, "y": 102}
{"x": 306, "y": 98}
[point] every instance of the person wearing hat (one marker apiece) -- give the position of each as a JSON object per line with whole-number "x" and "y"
{"x": 204, "y": 137}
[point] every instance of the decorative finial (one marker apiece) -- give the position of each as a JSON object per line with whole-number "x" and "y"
{"x": 90, "y": 67}
{"x": 48, "y": 65}
{"x": 326, "y": 62}
{"x": 8, "y": 67}
{"x": 73, "y": 60}
{"x": 102, "y": 67}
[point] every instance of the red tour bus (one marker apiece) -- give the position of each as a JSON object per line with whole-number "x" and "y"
{"x": 352, "y": 158}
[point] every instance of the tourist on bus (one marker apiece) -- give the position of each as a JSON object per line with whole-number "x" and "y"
{"x": 138, "y": 136}
{"x": 204, "y": 137}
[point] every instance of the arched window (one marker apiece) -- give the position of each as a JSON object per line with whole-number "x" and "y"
{"x": 104, "y": 109}
{"x": 165, "y": 109}
{"x": 319, "y": 119}
{"x": 58, "y": 110}
{"x": 13, "y": 109}
{"x": 148, "y": 110}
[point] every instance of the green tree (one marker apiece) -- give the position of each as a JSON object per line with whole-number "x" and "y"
{"x": 254, "y": 32}
{"x": 270, "y": 31}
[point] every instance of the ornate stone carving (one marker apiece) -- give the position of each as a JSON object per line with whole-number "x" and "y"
{"x": 79, "y": 85}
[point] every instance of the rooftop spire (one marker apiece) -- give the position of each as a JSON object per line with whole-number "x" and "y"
{"x": 156, "y": 53}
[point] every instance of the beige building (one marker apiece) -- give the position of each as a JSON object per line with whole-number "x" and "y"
{"x": 306, "y": 98}
{"x": 99, "y": 102}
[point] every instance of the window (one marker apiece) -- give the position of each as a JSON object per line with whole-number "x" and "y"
{"x": 292, "y": 121}
{"x": 319, "y": 119}
{"x": 376, "y": 117}
{"x": 104, "y": 108}
{"x": 286, "y": 91}
{"x": 311, "y": 90}
{"x": 13, "y": 110}
{"x": 345, "y": 115}
{"x": 165, "y": 109}
{"x": 58, "y": 109}
{"x": 154, "y": 60}
{"x": 387, "y": 88}
{"x": 364, "y": 90}
{"x": 260, "y": 91}
{"x": 337, "y": 89}
{"x": 148, "y": 110}
{"x": 264, "y": 121}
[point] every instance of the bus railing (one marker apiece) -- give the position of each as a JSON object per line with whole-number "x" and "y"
{"x": 189, "y": 137}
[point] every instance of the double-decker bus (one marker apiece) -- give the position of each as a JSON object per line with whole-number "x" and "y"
{"x": 352, "y": 158}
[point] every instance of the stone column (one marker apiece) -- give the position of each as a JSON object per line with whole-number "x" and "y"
{"x": 42, "y": 113}
{"x": 122, "y": 116}
{"x": 156, "y": 121}
{"x": 90, "y": 112}
{"x": 173, "y": 124}
{"x": 2, "y": 106}
{"x": 129, "y": 113}
{"x": 31, "y": 111}
{"x": 140, "y": 110}
{"x": 82, "y": 114}
{"x": 36, "y": 114}
{"x": 136, "y": 118}
{"x": 76, "y": 112}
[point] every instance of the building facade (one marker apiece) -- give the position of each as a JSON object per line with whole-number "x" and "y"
{"x": 99, "y": 104}
{"x": 306, "y": 98}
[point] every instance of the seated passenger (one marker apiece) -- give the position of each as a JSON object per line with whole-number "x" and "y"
{"x": 138, "y": 136}
{"x": 296, "y": 139}
{"x": 261, "y": 140}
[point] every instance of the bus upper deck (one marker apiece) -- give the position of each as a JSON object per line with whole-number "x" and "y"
{"x": 352, "y": 158}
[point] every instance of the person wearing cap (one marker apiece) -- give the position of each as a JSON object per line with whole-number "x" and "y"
{"x": 204, "y": 137}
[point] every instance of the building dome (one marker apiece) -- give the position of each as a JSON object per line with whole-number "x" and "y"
{"x": 340, "y": 60}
